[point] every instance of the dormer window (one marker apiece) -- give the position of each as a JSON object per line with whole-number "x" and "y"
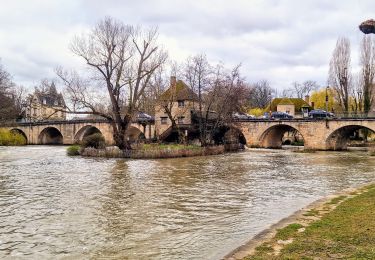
{"x": 164, "y": 120}
{"x": 181, "y": 103}
{"x": 180, "y": 120}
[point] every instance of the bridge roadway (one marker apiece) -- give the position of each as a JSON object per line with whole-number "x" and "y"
{"x": 331, "y": 134}
{"x": 72, "y": 131}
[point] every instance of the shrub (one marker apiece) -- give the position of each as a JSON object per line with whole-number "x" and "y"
{"x": 95, "y": 140}
{"x": 73, "y": 150}
{"x": 8, "y": 138}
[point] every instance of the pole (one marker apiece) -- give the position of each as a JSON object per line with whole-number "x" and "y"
{"x": 327, "y": 101}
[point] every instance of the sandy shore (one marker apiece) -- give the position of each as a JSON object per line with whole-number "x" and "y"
{"x": 297, "y": 217}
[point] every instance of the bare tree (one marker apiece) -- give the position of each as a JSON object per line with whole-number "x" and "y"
{"x": 197, "y": 72}
{"x": 260, "y": 94}
{"x": 339, "y": 72}
{"x": 357, "y": 95}
{"x": 11, "y": 96}
{"x": 228, "y": 94}
{"x": 367, "y": 74}
{"x": 300, "y": 90}
{"x": 122, "y": 60}
{"x": 153, "y": 90}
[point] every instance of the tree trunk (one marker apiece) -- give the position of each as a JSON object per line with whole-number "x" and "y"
{"x": 119, "y": 133}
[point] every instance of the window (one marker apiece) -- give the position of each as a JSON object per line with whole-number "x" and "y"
{"x": 181, "y": 103}
{"x": 164, "y": 120}
{"x": 44, "y": 101}
{"x": 180, "y": 119}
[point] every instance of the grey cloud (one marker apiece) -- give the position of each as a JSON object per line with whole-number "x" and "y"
{"x": 282, "y": 40}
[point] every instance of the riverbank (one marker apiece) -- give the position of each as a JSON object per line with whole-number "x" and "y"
{"x": 337, "y": 226}
{"x": 154, "y": 151}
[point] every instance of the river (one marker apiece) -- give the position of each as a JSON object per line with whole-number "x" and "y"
{"x": 54, "y": 206}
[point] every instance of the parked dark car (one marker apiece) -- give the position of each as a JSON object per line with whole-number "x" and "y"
{"x": 320, "y": 114}
{"x": 280, "y": 115}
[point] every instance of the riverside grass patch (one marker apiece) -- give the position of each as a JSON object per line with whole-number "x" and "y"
{"x": 153, "y": 151}
{"x": 73, "y": 150}
{"x": 8, "y": 138}
{"x": 147, "y": 147}
{"x": 347, "y": 232}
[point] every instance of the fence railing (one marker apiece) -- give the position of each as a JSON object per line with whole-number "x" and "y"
{"x": 70, "y": 121}
{"x": 359, "y": 115}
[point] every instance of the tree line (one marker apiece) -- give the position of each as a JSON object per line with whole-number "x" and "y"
{"x": 127, "y": 70}
{"x": 10, "y": 97}
{"x": 353, "y": 91}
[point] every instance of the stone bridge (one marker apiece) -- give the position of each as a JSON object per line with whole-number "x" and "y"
{"x": 331, "y": 134}
{"x": 72, "y": 131}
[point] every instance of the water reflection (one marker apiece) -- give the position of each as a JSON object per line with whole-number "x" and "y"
{"x": 188, "y": 208}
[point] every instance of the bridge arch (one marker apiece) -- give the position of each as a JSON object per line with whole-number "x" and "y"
{"x": 339, "y": 138}
{"x": 50, "y": 135}
{"x": 273, "y": 137}
{"x": 19, "y": 131}
{"x": 134, "y": 134}
{"x": 86, "y": 131}
{"x": 229, "y": 135}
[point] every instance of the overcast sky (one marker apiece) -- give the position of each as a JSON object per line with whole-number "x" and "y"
{"x": 282, "y": 41}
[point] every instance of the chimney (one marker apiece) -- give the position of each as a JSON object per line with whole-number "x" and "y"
{"x": 307, "y": 99}
{"x": 312, "y": 105}
{"x": 173, "y": 81}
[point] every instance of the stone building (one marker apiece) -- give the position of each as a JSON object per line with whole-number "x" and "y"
{"x": 291, "y": 106}
{"x": 181, "y": 101}
{"x": 44, "y": 105}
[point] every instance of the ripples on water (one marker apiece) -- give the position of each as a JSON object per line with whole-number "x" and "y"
{"x": 54, "y": 206}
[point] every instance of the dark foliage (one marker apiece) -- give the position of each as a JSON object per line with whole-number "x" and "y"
{"x": 95, "y": 140}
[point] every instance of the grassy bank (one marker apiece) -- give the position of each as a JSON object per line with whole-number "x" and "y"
{"x": 8, "y": 138}
{"x": 149, "y": 151}
{"x": 342, "y": 228}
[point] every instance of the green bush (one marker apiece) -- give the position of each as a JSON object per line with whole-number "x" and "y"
{"x": 95, "y": 140}
{"x": 9, "y": 138}
{"x": 73, "y": 150}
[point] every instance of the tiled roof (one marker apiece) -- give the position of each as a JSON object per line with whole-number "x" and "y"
{"x": 180, "y": 91}
{"x": 297, "y": 102}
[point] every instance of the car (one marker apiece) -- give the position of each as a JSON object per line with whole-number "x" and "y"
{"x": 320, "y": 114}
{"x": 242, "y": 116}
{"x": 280, "y": 115}
{"x": 266, "y": 115}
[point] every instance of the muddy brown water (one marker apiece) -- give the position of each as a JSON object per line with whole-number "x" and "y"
{"x": 54, "y": 206}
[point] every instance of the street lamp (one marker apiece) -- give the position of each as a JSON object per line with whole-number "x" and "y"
{"x": 270, "y": 100}
{"x": 359, "y": 101}
{"x": 327, "y": 88}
